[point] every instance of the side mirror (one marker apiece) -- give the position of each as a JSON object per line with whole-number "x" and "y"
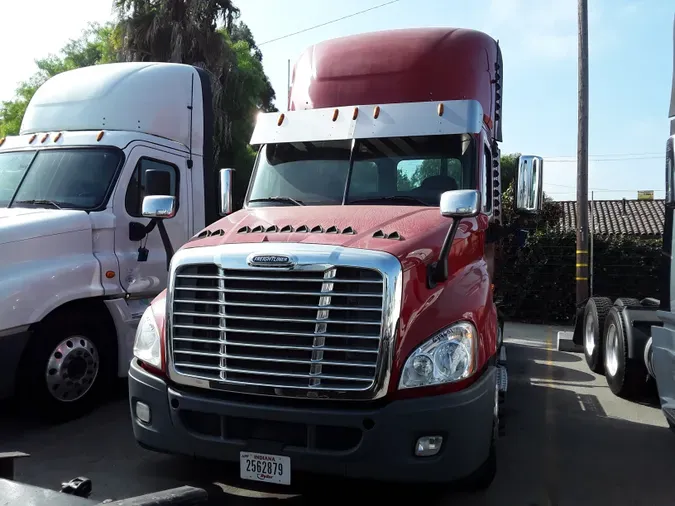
{"x": 159, "y": 206}
{"x": 226, "y": 185}
{"x": 530, "y": 181}
{"x": 460, "y": 203}
{"x": 455, "y": 204}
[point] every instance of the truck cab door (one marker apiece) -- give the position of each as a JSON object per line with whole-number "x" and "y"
{"x": 145, "y": 275}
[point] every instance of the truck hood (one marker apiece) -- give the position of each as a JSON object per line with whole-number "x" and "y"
{"x": 404, "y": 231}
{"x": 20, "y": 224}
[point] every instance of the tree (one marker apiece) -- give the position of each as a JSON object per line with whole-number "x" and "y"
{"x": 97, "y": 44}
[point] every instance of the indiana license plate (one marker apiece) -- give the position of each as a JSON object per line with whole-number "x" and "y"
{"x": 263, "y": 467}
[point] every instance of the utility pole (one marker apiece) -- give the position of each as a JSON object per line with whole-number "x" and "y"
{"x": 582, "y": 256}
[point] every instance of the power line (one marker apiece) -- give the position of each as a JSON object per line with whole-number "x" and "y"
{"x": 594, "y": 189}
{"x": 612, "y": 155}
{"x": 329, "y": 22}
{"x": 637, "y": 158}
{"x": 601, "y": 190}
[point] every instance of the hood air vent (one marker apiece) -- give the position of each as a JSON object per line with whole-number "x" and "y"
{"x": 209, "y": 233}
{"x": 394, "y": 236}
{"x": 302, "y": 229}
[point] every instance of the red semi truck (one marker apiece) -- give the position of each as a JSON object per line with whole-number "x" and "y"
{"x": 343, "y": 321}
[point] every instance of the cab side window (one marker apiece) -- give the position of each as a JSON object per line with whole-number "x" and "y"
{"x": 137, "y": 189}
{"x": 487, "y": 182}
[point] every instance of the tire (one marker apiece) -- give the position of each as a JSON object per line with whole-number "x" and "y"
{"x": 593, "y": 324}
{"x": 68, "y": 348}
{"x": 624, "y": 376}
{"x": 626, "y": 302}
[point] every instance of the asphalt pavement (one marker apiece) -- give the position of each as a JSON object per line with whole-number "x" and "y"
{"x": 569, "y": 441}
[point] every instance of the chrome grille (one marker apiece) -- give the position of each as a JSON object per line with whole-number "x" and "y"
{"x": 293, "y": 329}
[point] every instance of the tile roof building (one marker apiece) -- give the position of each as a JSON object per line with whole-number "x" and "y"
{"x": 642, "y": 218}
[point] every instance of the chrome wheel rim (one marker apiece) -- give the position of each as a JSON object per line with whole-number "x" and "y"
{"x": 72, "y": 369}
{"x": 612, "y": 350}
{"x": 589, "y": 337}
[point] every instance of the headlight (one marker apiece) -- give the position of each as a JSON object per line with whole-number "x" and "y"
{"x": 147, "y": 343}
{"x": 450, "y": 355}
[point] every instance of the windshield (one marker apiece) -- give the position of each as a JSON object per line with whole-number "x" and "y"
{"x": 402, "y": 170}
{"x": 60, "y": 178}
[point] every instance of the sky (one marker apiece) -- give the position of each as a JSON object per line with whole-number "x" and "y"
{"x": 631, "y": 59}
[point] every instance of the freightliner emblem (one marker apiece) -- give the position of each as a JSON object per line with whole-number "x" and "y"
{"x": 270, "y": 261}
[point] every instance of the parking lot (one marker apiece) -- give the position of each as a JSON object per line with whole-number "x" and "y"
{"x": 568, "y": 441}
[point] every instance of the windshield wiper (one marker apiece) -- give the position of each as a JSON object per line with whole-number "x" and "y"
{"x": 279, "y": 199}
{"x": 40, "y": 202}
{"x": 399, "y": 198}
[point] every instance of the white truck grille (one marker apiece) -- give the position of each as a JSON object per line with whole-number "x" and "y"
{"x": 307, "y": 329}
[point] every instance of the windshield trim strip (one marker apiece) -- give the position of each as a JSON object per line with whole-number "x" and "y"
{"x": 345, "y": 194}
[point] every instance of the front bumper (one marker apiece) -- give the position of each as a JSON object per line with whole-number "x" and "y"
{"x": 375, "y": 443}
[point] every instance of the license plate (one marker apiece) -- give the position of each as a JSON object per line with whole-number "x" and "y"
{"x": 263, "y": 467}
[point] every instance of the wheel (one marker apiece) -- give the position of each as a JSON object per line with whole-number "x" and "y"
{"x": 67, "y": 369}
{"x": 594, "y": 319}
{"x": 624, "y": 376}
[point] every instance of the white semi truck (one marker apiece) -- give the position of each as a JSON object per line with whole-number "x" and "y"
{"x": 79, "y": 263}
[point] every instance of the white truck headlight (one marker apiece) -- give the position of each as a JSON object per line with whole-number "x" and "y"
{"x": 147, "y": 346}
{"x": 448, "y": 356}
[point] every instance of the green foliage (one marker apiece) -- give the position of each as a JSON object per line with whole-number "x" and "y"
{"x": 509, "y": 168}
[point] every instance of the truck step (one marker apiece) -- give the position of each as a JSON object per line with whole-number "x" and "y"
{"x": 502, "y": 379}
{"x": 502, "y": 355}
